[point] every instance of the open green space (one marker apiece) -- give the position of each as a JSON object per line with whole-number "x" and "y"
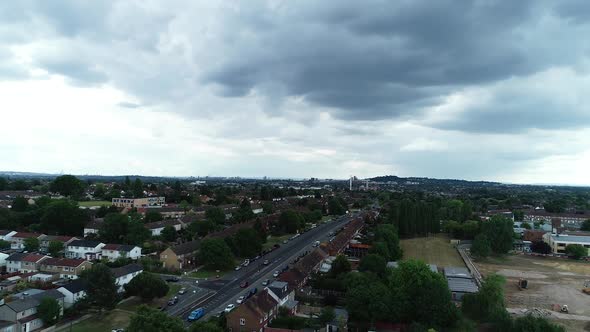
{"x": 272, "y": 240}
{"x": 132, "y": 303}
{"x": 94, "y": 203}
{"x": 432, "y": 250}
{"x": 115, "y": 319}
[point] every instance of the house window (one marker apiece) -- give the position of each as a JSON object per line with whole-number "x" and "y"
{"x": 242, "y": 321}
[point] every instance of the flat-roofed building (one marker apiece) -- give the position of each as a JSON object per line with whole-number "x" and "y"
{"x": 138, "y": 202}
{"x": 558, "y": 242}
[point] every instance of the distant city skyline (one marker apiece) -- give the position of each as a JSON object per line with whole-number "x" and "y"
{"x": 493, "y": 90}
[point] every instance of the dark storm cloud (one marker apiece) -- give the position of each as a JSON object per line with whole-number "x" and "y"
{"x": 378, "y": 59}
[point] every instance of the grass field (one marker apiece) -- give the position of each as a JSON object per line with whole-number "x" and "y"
{"x": 115, "y": 319}
{"x": 432, "y": 250}
{"x": 94, "y": 203}
{"x": 272, "y": 240}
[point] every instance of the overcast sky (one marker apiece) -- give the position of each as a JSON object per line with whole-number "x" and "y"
{"x": 490, "y": 90}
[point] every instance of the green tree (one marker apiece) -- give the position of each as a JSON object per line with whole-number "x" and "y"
{"x": 67, "y": 185}
{"x": 244, "y": 213}
{"x": 335, "y": 207}
{"x": 137, "y": 234}
{"x": 421, "y": 295}
{"x": 63, "y": 216}
{"x": 101, "y": 288}
{"x": 148, "y": 319}
{"x": 147, "y": 286}
{"x": 205, "y": 327}
{"x": 290, "y": 221}
{"x": 518, "y": 215}
{"x": 488, "y": 303}
{"x": 368, "y": 302}
{"x": 216, "y": 215}
{"x": 529, "y": 323}
{"x": 20, "y": 204}
{"x": 31, "y": 244}
{"x": 153, "y": 216}
{"x": 388, "y": 235}
{"x": 525, "y": 225}
{"x": 326, "y": 315}
{"x": 115, "y": 228}
{"x": 4, "y": 244}
{"x": 481, "y": 246}
{"x": 49, "y": 311}
{"x": 184, "y": 205}
{"x": 55, "y": 248}
{"x": 247, "y": 242}
{"x": 138, "y": 188}
{"x": 586, "y": 226}
{"x": 99, "y": 191}
{"x": 340, "y": 266}
{"x": 216, "y": 255}
{"x": 373, "y": 263}
{"x": 3, "y": 183}
{"x": 576, "y": 251}
{"x": 500, "y": 231}
{"x": 168, "y": 234}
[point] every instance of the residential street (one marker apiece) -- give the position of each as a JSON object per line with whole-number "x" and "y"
{"x": 227, "y": 289}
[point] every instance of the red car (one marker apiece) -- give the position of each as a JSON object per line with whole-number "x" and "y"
{"x": 244, "y": 284}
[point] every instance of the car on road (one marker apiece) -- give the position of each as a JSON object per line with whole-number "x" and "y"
{"x": 244, "y": 284}
{"x": 182, "y": 291}
{"x": 173, "y": 279}
{"x": 284, "y": 241}
{"x": 276, "y": 274}
{"x": 230, "y": 307}
{"x": 266, "y": 262}
{"x": 196, "y": 314}
{"x": 246, "y": 262}
{"x": 173, "y": 301}
{"x": 240, "y": 299}
{"x": 257, "y": 257}
{"x": 238, "y": 267}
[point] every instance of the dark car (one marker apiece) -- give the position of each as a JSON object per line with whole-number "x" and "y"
{"x": 244, "y": 284}
{"x": 173, "y": 279}
{"x": 173, "y": 301}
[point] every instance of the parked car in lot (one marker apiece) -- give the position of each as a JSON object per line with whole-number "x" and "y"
{"x": 244, "y": 284}
{"x": 276, "y": 274}
{"x": 182, "y": 291}
{"x": 196, "y": 314}
{"x": 266, "y": 282}
{"x": 230, "y": 307}
{"x": 240, "y": 299}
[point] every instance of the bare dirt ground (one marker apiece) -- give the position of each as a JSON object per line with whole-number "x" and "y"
{"x": 551, "y": 282}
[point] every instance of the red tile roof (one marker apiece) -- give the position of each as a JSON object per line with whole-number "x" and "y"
{"x": 63, "y": 262}
{"x": 32, "y": 258}
{"x": 111, "y": 246}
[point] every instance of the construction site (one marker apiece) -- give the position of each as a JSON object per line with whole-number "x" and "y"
{"x": 558, "y": 289}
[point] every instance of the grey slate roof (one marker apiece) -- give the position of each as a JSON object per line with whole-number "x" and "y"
{"x": 462, "y": 285}
{"x": 75, "y": 286}
{"x": 186, "y": 248}
{"x": 32, "y": 301}
{"x": 127, "y": 269}
{"x": 458, "y": 272}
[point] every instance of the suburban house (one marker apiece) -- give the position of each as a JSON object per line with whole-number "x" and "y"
{"x": 93, "y": 227}
{"x": 44, "y": 241}
{"x": 295, "y": 278}
{"x": 21, "y": 262}
{"x": 114, "y": 251}
{"x": 533, "y": 235}
{"x": 3, "y": 258}
{"x": 460, "y": 282}
{"x": 558, "y": 242}
{"x": 85, "y": 249}
{"x": 17, "y": 240}
{"x": 124, "y": 274}
{"x": 254, "y": 314}
{"x": 138, "y": 202}
{"x": 23, "y": 310}
{"x": 67, "y": 268}
{"x": 285, "y": 297}
{"x": 257, "y": 209}
{"x": 180, "y": 256}
{"x": 73, "y": 291}
{"x": 340, "y": 321}
{"x": 157, "y": 227}
{"x": 6, "y": 326}
{"x": 6, "y": 235}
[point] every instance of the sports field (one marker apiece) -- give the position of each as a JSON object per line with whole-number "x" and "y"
{"x": 432, "y": 250}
